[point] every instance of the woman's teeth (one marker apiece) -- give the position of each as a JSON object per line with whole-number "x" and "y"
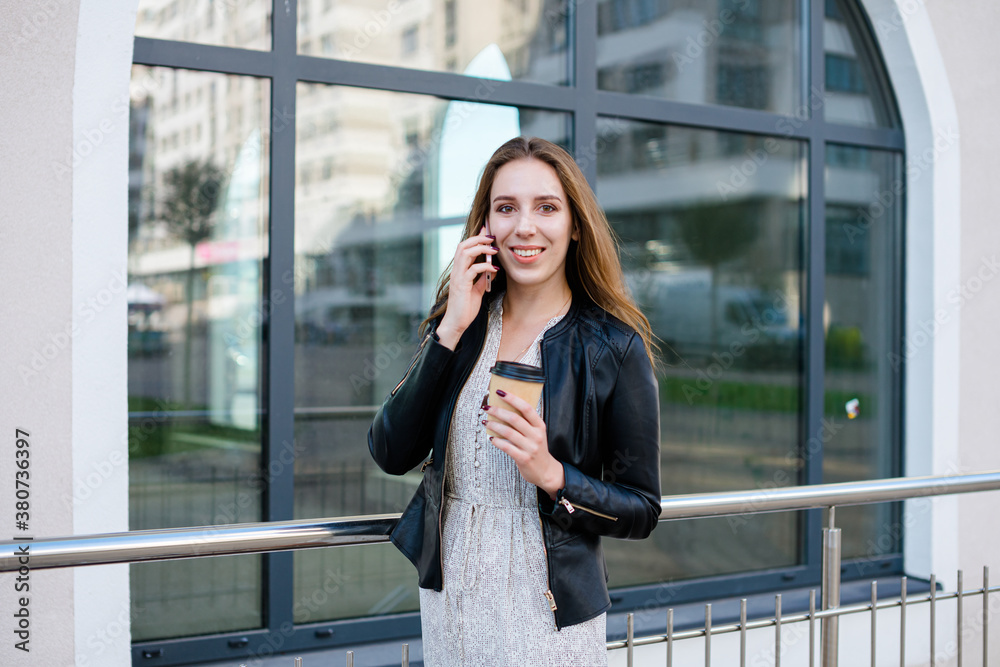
{"x": 527, "y": 253}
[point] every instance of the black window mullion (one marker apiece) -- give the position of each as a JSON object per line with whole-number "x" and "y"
{"x": 204, "y": 57}
{"x": 584, "y": 78}
{"x": 814, "y": 357}
{"x": 279, "y": 297}
{"x": 897, "y": 412}
{"x": 737, "y": 119}
{"x": 869, "y": 137}
{"x": 440, "y": 84}
{"x": 708, "y": 116}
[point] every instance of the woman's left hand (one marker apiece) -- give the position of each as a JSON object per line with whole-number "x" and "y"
{"x": 522, "y": 436}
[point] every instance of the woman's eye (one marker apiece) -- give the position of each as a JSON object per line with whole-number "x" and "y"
{"x": 505, "y": 209}
{"x": 548, "y": 208}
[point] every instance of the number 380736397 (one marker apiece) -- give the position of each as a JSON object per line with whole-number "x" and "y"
{"x": 22, "y": 489}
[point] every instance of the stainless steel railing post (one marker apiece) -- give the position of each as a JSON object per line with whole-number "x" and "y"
{"x": 830, "y": 630}
{"x": 986, "y": 615}
{"x": 933, "y": 614}
{"x": 902, "y": 622}
{"x": 743, "y": 632}
{"x": 874, "y": 622}
{"x": 959, "y": 612}
{"x": 812, "y": 627}
{"x": 630, "y": 639}
{"x": 708, "y": 635}
{"x": 777, "y": 630}
{"x": 670, "y": 638}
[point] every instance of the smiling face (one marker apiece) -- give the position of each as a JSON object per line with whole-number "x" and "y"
{"x": 531, "y": 219}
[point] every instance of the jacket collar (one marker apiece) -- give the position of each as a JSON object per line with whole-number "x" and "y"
{"x": 575, "y": 310}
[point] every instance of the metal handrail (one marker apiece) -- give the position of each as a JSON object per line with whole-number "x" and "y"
{"x": 777, "y": 621}
{"x": 229, "y": 539}
{"x": 701, "y": 505}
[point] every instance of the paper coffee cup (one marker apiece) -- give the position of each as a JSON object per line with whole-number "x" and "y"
{"x": 521, "y": 380}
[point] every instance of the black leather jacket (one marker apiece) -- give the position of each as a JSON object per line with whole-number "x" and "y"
{"x": 601, "y": 410}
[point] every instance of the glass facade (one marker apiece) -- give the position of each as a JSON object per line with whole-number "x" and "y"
{"x": 863, "y": 212}
{"x": 525, "y": 40}
{"x": 245, "y": 24}
{"x": 734, "y": 52}
{"x": 292, "y": 209}
{"x": 718, "y": 272}
{"x": 856, "y": 90}
{"x": 198, "y": 185}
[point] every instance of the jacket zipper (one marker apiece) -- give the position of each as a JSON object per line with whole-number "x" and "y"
{"x": 412, "y": 364}
{"x": 570, "y": 507}
{"x": 548, "y": 580}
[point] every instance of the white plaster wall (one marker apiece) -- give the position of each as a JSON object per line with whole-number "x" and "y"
{"x": 37, "y": 51}
{"x": 100, "y": 363}
{"x": 966, "y": 35}
{"x": 933, "y": 169}
{"x": 63, "y": 231}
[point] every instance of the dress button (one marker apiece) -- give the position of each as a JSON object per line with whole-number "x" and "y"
{"x": 477, "y": 464}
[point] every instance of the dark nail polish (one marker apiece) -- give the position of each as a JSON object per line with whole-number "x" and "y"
{"x": 491, "y": 237}
{"x": 501, "y": 393}
{"x": 486, "y": 408}
{"x": 484, "y": 422}
{"x": 486, "y": 401}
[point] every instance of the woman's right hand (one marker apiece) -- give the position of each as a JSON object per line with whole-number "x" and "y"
{"x": 466, "y": 287}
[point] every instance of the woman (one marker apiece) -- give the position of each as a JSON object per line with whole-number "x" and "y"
{"x": 505, "y": 526}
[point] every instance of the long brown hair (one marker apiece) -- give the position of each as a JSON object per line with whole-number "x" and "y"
{"x": 592, "y": 264}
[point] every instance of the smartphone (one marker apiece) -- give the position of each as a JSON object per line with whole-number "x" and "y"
{"x": 489, "y": 258}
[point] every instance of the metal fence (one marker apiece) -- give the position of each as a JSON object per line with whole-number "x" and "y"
{"x": 195, "y": 542}
{"x": 779, "y": 621}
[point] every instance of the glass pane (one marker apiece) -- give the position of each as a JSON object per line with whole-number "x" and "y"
{"x": 857, "y": 90}
{"x": 744, "y": 53}
{"x": 384, "y": 182}
{"x": 863, "y": 208}
{"x": 492, "y": 39}
{"x": 712, "y": 230}
{"x": 198, "y": 201}
{"x": 245, "y": 24}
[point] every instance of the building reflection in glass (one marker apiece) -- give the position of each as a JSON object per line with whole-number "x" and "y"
{"x": 856, "y": 90}
{"x": 742, "y": 53}
{"x": 863, "y": 212}
{"x": 712, "y": 228}
{"x": 245, "y": 24}
{"x": 197, "y": 242}
{"x": 441, "y": 35}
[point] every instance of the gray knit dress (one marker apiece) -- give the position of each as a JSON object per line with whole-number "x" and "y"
{"x": 492, "y": 609}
